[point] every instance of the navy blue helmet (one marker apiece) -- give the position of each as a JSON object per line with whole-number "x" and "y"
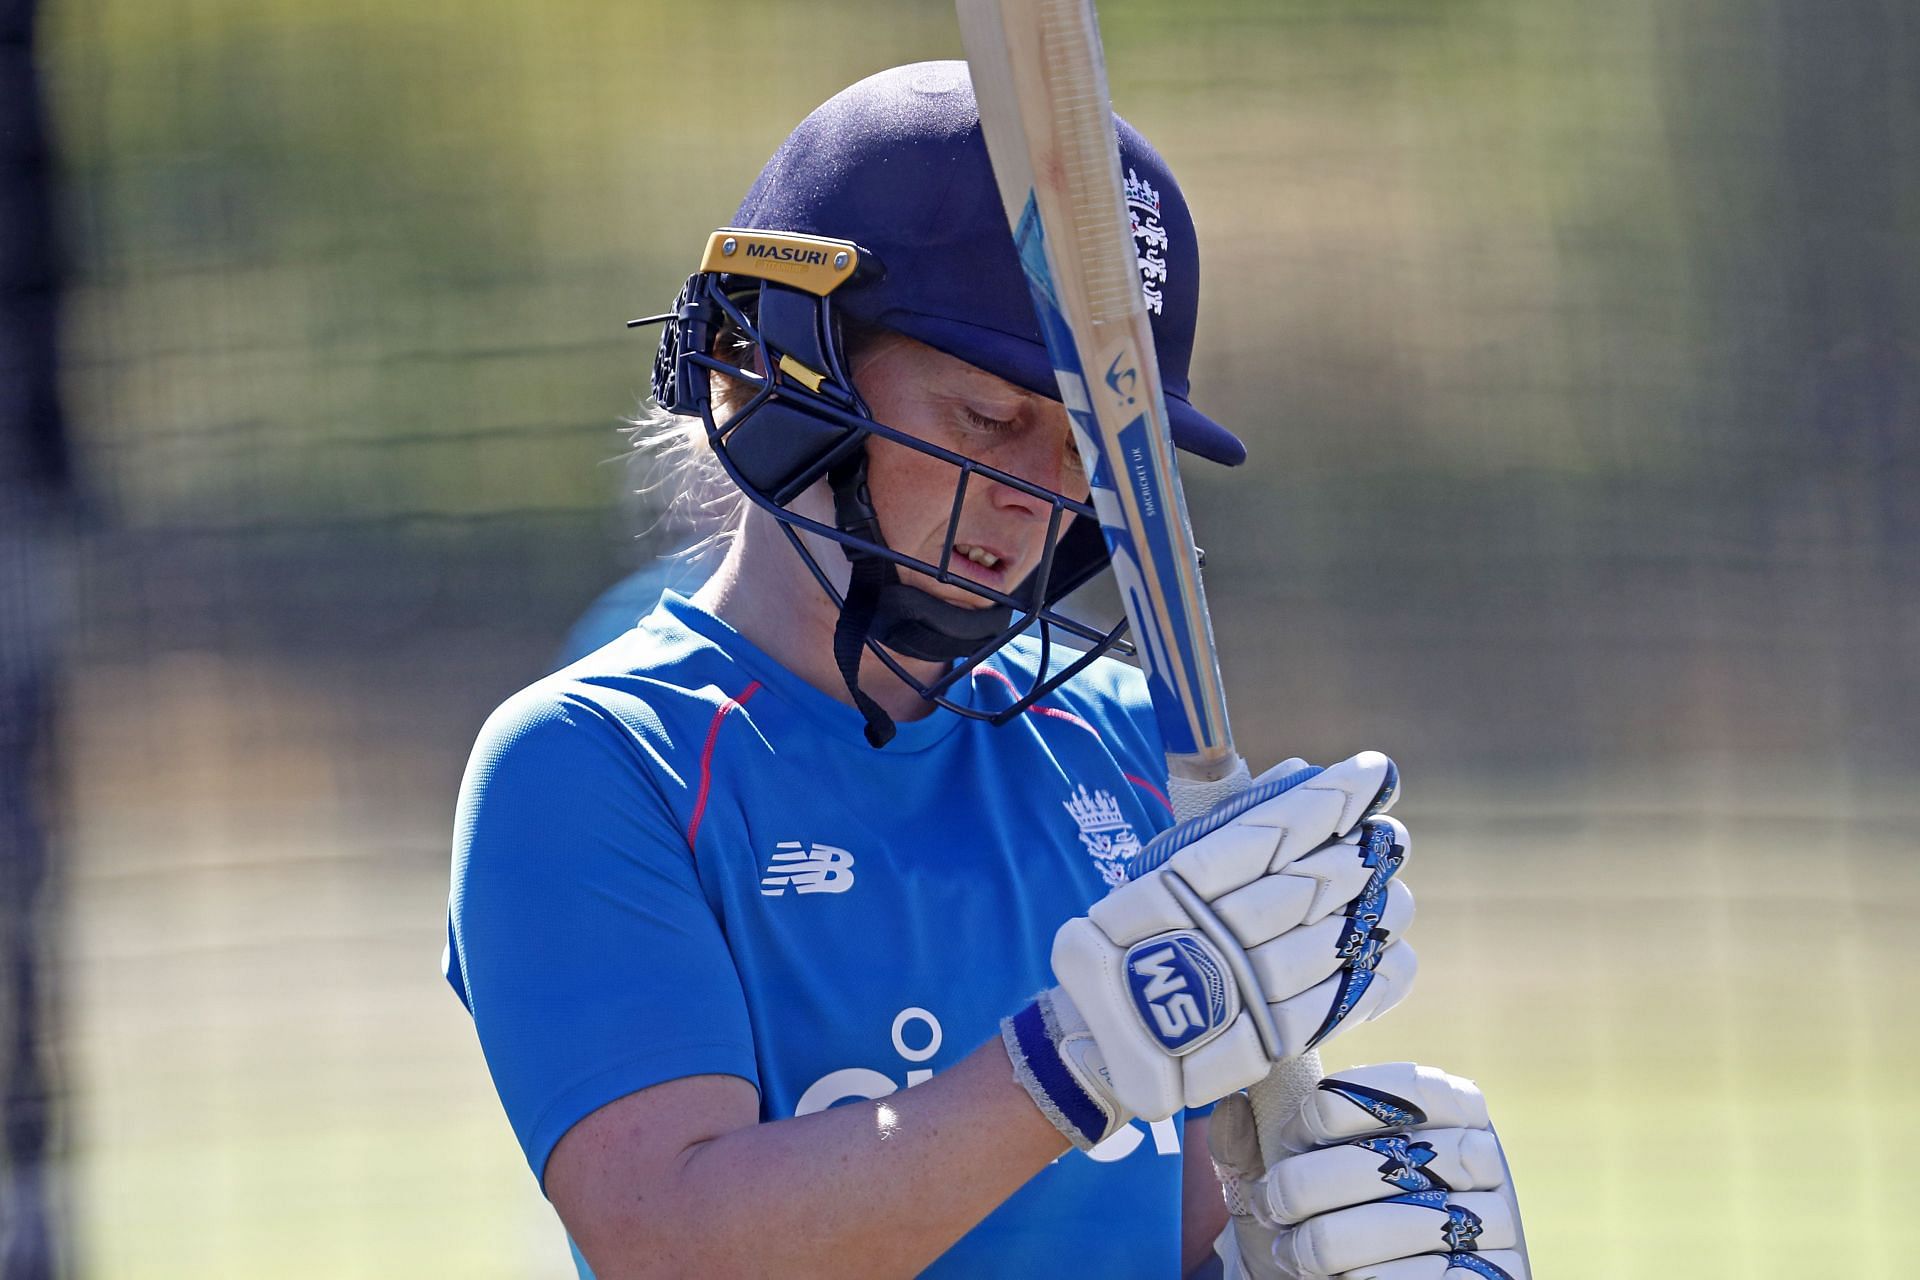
{"x": 880, "y": 212}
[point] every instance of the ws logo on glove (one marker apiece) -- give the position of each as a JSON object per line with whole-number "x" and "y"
{"x": 1181, "y": 990}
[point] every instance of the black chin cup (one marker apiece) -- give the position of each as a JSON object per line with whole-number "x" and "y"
{"x": 800, "y": 421}
{"x": 918, "y": 624}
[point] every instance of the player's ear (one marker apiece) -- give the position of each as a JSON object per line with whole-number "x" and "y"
{"x": 732, "y": 346}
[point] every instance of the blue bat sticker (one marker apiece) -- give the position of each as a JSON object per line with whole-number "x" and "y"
{"x": 1135, "y": 461}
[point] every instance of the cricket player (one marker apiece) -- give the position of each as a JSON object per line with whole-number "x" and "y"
{"x": 797, "y": 923}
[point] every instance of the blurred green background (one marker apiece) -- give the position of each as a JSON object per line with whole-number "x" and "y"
{"x": 1578, "y": 347}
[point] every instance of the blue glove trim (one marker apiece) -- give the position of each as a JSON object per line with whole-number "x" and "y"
{"x": 1179, "y": 836}
{"x": 1385, "y": 1107}
{"x": 1362, "y": 940}
{"x": 1039, "y": 1068}
{"x": 1405, "y": 1162}
{"x": 1463, "y": 1226}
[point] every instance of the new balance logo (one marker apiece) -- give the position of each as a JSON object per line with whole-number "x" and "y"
{"x": 807, "y": 868}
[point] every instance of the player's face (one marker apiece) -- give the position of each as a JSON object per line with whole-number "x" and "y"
{"x": 1002, "y": 532}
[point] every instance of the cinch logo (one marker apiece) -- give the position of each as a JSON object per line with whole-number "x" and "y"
{"x": 1178, "y": 988}
{"x": 807, "y": 868}
{"x": 917, "y": 1036}
{"x": 786, "y": 253}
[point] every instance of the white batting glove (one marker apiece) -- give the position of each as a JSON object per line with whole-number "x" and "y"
{"x": 1396, "y": 1174}
{"x": 1274, "y": 923}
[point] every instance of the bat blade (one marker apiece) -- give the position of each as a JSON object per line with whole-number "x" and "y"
{"x": 1039, "y": 78}
{"x": 1039, "y": 75}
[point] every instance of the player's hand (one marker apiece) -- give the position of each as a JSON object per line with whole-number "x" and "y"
{"x": 1396, "y": 1174}
{"x": 1276, "y": 922}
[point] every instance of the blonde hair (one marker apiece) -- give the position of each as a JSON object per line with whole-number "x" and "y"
{"x": 698, "y": 508}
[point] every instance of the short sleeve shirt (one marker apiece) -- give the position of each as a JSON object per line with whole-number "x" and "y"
{"x": 675, "y": 858}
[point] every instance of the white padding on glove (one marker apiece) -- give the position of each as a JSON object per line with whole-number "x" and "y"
{"x": 1397, "y": 1175}
{"x": 1490, "y": 1264}
{"x": 1368, "y": 1235}
{"x": 1261, "y": 936}
{"x": 1362, "y": 1101}
{"x": 1329, "y": 1178}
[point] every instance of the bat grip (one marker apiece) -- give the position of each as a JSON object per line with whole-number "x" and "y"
{"x": 1277, "y": 1098}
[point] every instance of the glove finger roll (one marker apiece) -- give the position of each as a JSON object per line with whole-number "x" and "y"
{"x": 1292, "y": 764}
{"x": 1380, "y": 1167}
{"x": 1380, "y": 1099}
{"x": 1354, "y": 869}
{"x": 1382, "y": 851}
{"x": 1499, "y": 1264}
{"x": 1271, "y": 905}
{"x": 1423, "y": 1222}
{"x": 1392, "y": 980}
{"x": 1298, "y": 960}
{"x": 1308, "y": 1018}
{"x": 1428, "y": 1266}
{"x": 1270, "y": 835}
{"x": 1304, "y": 957}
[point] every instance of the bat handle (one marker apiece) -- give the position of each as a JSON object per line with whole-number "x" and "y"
{"x": 1277, "y": 1098}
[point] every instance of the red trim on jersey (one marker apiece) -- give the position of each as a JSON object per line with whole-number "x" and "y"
{"x": 706, "y": 760}
{"x": 1150, "y": 789}
{"x": 1058, "y": 714}
{"x": 1036, "y": 709}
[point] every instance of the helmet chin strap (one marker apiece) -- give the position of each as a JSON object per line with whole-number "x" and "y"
{"x": 919, "y": 624}
{"x": 879, "y": 607}
{"x": 853, "y": 513}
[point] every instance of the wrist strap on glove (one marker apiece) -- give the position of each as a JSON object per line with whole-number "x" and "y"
{"x": 1057, "y": 1062}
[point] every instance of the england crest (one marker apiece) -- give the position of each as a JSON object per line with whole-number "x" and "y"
{"x": 1105, "y": 833}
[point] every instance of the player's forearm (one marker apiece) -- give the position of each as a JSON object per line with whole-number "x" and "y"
{"x": 878, "y": 1188}
{"x": 1202, "y": 1210}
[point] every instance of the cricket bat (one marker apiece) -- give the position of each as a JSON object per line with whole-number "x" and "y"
{"x": 1040, "y": 78}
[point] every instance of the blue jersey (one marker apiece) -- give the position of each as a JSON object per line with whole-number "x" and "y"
{"x": 675, "y": 857}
